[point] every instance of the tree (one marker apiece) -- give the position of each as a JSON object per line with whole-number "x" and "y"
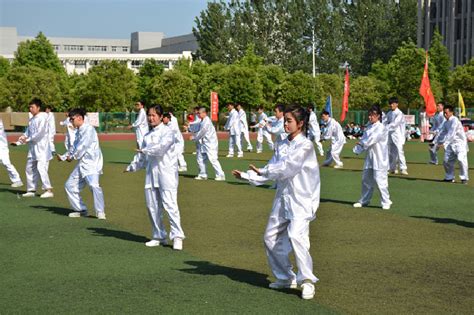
{"x": 173, "y": 90}
{"x": 110, "y": 87}
{"x": 301, "y": 89}
{"x": 462, "y": 79}
{"x": 367, "y": 91}
{"x": 39, "y": 53}
{"x": 148, "y": 71}
{"x": 4, "y": 66}
{"x": 241, "y": 85}
{"x": 439, "y": 56}
{"x": 332, "y": 84}
{"x": 271, "y": 78}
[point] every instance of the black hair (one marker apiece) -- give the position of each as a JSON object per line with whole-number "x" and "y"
{"x": 141, "y": 102}
{"x": 325, "y": 112}
{"x": 300, "y": 114}
{"x": 280, "y": 107}
{"x": 158, "y": 109}
{"x": 48, "y": 107}
{"x": 203, "y": 108}
{"x": 375, "y": 109}
{"x": 167, "y": 115}
{"x": 233, "y": 105}
{"x": 196, "y": 108}
{"x": 392, "y": 100}
{"x": 441, "y": 103}
{"x": 310, "y": 106}
{"x": 36, "y": 101}
{"x": 77, "y": 111}
{"x": 260, "y": 107}
{"x": 450, "y": 108}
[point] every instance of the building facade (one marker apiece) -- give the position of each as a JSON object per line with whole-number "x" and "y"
{"x": 455, "y": 21}
{"x": 78, "y": 55}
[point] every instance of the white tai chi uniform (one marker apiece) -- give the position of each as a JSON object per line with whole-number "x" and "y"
{"x": 5, "y": 156}
{"x": 334, "y": 133}
{"x": 208, "y": 147}
{"x": 194, "y": 128}
{"x": 438, "y": 121}
{"x": 262, "y": 133}
{"x": 396, "y": 125}
{"x": 39, "y": 152}
{"x": 179, "y": 137}
{"x": 233, "y": 126}
{"x": 314, "y": 132}
{"x": 141, "y": 126}
{"x": 374, "y": 142}
{"x": 160, "y": 160}
{"x": 454, "y": 139}
{"x": 86, "y": 151}
{"x": 51, "y": 131}
{"x": 244, "y": 129}
{"x": 70, "y": 133}
{"x": 295, "y": 169}
{"x": 277, "y": 126}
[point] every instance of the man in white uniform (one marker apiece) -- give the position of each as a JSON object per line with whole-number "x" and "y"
{"x": 314, "y": 132}
{"x": 262, "y": 132}
{"x": 396, "y": 125}
{"x": 86, "y": 151}
{"x": 333, "y": 132}
{"x": 5, "y": 159}
{"x": 209, "y": 147}
{"x": 182, "y": 165}
{"x": 453, "y": 138}
{"x": 244, "y": 126}
{"x": 276, "y": 124}
{"x": 51, "y": 128}
{"x": 374, "y": 142}
{"x": 39, "y": 152}
{"x": 140, "y": 124}
{"x": 70, "y": 132}
{"x": 437, "y": 126}
{"x": 233, "y": 126}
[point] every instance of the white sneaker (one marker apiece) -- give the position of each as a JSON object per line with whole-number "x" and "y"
{"x": 100, "y": 215}
{"x": 404, "y": 172}
{"x": 29, "y": 194}
{"x": 229, "y": 155}
{"x": 220, "y": 178}
{"x": 182, "y": 169}
{"x": 249, "y": 149}
{"x": 308, "y": 291}
{"x": 47, "y": 194}
{"x": 385, "y": 207}
{"x": 321, "y": 154}
{"x": 16, "y": 184}
{"x": 357, "y": 205}
{"x": 259, "y": 152}
{"x": 77, "y": 214}
{"x": 177, "y": 244}
{"x": 153, "y": 243}
{"x": 393, "y": 172}
{"x": 240, "y": 155}
{"x": 283, "y": 284}
{"x": 339, "y": 166}
{"x": 199, "y": 177}
{"x": 194, "y": 153}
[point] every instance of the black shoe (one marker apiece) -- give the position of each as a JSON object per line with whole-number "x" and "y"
{"x": 464, "y": 181}
{"x": 448, "y": 180}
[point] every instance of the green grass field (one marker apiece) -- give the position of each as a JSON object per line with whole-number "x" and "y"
{"x": 417, "y": 257}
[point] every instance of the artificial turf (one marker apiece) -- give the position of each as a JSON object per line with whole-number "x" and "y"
{"x": 415, "y": 258}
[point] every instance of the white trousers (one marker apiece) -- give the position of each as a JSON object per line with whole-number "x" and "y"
{"x": 203, "y": 157}
{"x": 139, "y": 139}
{"x": 282, "y": 236}
{"x": 37, "y": 170}
{"x": 182, "y": 161}
{"x": 76, "y": 183}
{"x": 11, "y": 170}
{"x": 370, "y": 178}
{"x": 450, "y": 157}
{"x": 246, "y": 136}
{"x": 52, "y": 147}
{"x": 333, "y": 154}
{"x": 157, "y": 201}
{"x": 317, "y": 141}
{"x": 235, "y": 140}
{"x": 396, "y": 156}
{"x": 434, "y": 153}
{"x": 263, "y": 135}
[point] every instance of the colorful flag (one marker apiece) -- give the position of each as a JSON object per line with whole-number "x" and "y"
{"x": 328, "y": 106}
{"x": 461, "y": 105}
{"x": 345, "y": 100}
{"x": 425, "y": 91}
{"x": 214, "y": 106}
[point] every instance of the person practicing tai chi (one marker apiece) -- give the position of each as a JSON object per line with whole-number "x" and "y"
{"x": 295, "y": 169}
{"x": 244, "y": 126}
{"x": 51, "y": 128}
{"x": 453, "y": 138}
{"x": 233, "y": 125}
{"x": 276, "y": 124}
{"x": 86, "y": 151}
{"x": 182, "y": 165}
{"x": 140, "y": 124}
{"x": 314, "y": 132}
{"x": 262, "y": 132}
{"x": 39, "y": 151}
{"x": 159, "y": 157}
{"x": 70, "y": 132}
{"x": 396, "y": 125}
{"x": 5, "y": 158}
{"x": 438, "y": 122}
{"x": 334, "y": 133}
{"x": 374, "y": 142}
{"x": 208, "y": 147}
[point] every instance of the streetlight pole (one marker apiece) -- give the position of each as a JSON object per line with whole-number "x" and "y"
{"x": 314, "y": 55}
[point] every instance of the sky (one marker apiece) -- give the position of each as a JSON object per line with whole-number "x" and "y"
{"x": 100, "y": 18}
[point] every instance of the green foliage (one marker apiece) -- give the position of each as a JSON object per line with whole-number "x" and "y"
{"x": 366, "y": 91}
{"x": 108, "y": 87}
{"x": 241, "y": 85}
{"x": 148, "y": 71}
{"x": 462, "y": 79}
{"x": 4, "y": 94}
{"x": 439, "y": 56}
{"x": 173, "y": 90}
{"x": 331, "y": 84}
{"x": 271, "y": 77}
{"x": 4, "y": 66}
{"x": 301, "y": 89}
{"x": 39, "y": 53}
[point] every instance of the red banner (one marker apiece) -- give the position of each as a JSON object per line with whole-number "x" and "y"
{"x": 214, "y": 106}
{"x": 425, "y": 91}
{"x": 345, "y": 100}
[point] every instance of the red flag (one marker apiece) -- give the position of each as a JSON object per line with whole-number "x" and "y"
{"x": 345, "y": 100}
{"x": 425, "y": 91}
{"x": 214, "y": 106}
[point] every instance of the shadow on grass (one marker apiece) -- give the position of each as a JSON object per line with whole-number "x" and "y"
{"x": 266, "y": 186}
{"x": 448, "y": 221}
{"x": 240, "y": 275}
{"x": 343, "y": 202}
{"x": 422, "y": 179}
{"x": 118, "y": 162}
{"x": 121, "y": 235}
{"x": 12, "y": 191}
{"x": 55, "y": 210}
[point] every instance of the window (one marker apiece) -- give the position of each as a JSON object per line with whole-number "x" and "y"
{"x": 136, "y": 63}
{"x": 114, "y": 48}
{"x": 97, "y": 48}
{"x": 56, "y": 47}
{"x": 73, "y": 47}
{"x": 125, "y": 48}
{"x": 80, "y": 64}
